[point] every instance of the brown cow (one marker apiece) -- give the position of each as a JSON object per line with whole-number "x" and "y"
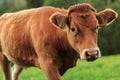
{"x": 49, "y": 38}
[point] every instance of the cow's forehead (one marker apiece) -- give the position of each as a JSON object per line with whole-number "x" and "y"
{"x": 82, "y": 14}
{"x": 83, "y": 20}
{"x": 81, "y": 8}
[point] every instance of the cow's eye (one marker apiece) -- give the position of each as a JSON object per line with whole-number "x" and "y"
{"x": 97, "y": 27}
{"x": 73, "y": 29}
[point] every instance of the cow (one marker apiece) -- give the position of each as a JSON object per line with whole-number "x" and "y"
{"x": 50, "y": 38}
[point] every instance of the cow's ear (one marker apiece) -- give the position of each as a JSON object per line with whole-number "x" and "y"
{"x": 106, "y": 17}
{"x": 59, "y": 20}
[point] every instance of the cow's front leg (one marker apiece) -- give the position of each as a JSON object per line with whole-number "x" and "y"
{"x": 16, "y": 70}
{"x": 5, "y": 66}
{"x": 49, "y": 67}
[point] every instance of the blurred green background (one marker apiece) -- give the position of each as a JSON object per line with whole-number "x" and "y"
{"x": 109, "y": 37}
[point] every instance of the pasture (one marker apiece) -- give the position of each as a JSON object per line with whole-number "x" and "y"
{"x": 105, "y": 68}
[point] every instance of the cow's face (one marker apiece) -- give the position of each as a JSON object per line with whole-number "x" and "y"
{"x": 82, "y": 23}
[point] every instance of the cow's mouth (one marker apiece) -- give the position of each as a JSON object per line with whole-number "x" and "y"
{"x": 91, "y": 59}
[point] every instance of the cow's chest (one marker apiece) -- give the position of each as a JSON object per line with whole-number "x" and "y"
{"x": 66, "y": 60}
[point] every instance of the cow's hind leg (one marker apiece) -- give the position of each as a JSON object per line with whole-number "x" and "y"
{"x": 5, "y": 67}
{"x": 16, "y": 70}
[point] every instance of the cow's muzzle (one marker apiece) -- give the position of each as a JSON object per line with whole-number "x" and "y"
{"x": 91, "y": 54}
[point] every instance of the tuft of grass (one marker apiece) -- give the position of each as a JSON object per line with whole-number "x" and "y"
{"x": 105, "y": 68}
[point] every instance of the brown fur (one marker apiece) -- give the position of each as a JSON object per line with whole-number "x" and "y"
{"x": 32, "y": 38}
{"x": 82, "y": 8}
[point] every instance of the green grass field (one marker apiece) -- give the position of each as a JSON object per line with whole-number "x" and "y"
{"x": 105, "y": 68}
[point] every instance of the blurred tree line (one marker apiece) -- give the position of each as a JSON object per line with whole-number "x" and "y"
{"x": 109, "y": 37}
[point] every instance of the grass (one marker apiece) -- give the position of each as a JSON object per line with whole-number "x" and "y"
{"x": 105, "y": 68}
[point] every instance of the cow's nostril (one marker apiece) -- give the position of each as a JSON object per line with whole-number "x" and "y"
{"x": 87, "y": 54}
{"x": 97, "y": 54}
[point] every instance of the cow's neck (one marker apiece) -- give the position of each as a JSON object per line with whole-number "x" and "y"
{"x": 67, "y": 53}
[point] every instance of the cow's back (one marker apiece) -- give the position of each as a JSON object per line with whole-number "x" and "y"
{"x": 23, "y": 33}
{"x": 14, "y": 38}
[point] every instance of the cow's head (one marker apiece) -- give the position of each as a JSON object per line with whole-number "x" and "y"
{"x": 82, "y": 24}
